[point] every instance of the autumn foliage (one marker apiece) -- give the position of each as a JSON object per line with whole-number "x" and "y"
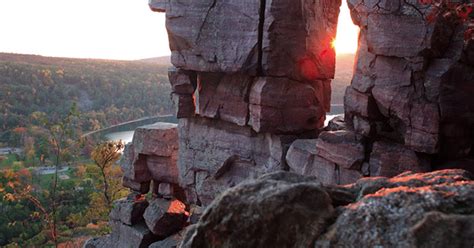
{"x": 461, "y": 11}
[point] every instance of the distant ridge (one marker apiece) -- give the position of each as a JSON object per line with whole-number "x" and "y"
{"x": 164, "y": 60}
{"x": 46, "y": 60}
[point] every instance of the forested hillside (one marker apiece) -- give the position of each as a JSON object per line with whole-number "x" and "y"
{"x": 106, "y": 92}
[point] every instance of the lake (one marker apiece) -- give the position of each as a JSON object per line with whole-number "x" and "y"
{"x": 127, "y": 136}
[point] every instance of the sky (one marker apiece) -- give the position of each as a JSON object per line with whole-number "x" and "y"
{"x": 108, "y": 29}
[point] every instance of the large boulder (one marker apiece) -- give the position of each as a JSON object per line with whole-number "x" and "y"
{"x": 433, "y": 209}
{"x": 277, "y": 210}
{"x": 425, "y": 210}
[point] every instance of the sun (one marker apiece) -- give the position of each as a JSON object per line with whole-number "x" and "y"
{"x": 347, "y": 33}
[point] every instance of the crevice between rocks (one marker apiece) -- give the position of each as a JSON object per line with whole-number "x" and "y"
{"x": 261, "y": 26}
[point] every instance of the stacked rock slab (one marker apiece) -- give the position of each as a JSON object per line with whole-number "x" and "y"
{"x": 149, "y": 165}
{"x": 249, "y": 78}
{"x": 411, "y": 86}
{"x": 409, "y": 106}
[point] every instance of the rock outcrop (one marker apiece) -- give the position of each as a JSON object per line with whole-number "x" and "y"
{"x": 251, "y": 81}
{"x": 288, "y": 210}
{"x": 250, "y": 77}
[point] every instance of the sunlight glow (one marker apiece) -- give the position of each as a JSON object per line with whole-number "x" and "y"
{"x": 110, "y": 29}
{"x": 347, "y": 33}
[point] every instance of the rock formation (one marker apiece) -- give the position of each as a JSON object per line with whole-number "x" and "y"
{"x": 288, "y": 210}
{"x": 250, "y": 77}
{"x": 251, "y": 83}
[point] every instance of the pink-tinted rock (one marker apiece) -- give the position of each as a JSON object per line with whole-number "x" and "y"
{"x": 142, "y": 188}
{"x": 129, "y": 210}
{"x": 185, "y": 105}
{"x": 163, "y": 169}
{"x": 357, "y": 103}
{"x": 346, "y": 176}
{"x": 152, "y": 155}
{"x": 297, "y": 39}
{"x": 282, "y": 105}
{"x": 388, "y": 159}
{"x": 225, "y": 97}
{"x": 215, "y": 155}
{"x": 182, "y": 82}
{"x": 196, "y": 30}
{"x": 342, "y": 148}
{"x": 165, "y": 217}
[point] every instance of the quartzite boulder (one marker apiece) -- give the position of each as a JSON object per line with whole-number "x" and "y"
{"x": 129, "y": 210}
{"x": 225, "y": 97}
{"x": 433, "y": 209}
{"x": 165, "y": 217}
{"x": 303, "y": 159}
{"x": 152, "y": 155}
{"x": 426, "y": 210}
{"x": 277, "y": 210}
{"x": 286, "y": 106}
{"x": 215, "y": 155}
{"x": 196, "y": 30}
{"x": 297, "y": 39}
{"x": 342, "y": 148}
{"x": 389, "y": 159}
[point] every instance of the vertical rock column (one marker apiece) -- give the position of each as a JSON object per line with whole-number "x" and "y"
{"x": 409, "y": 94}
{"x": 249, "y": 78}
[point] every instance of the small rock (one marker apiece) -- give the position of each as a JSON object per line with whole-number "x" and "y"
{"x": 389, "y": 159}
{"x": 129, "y": 210}
{"x": 342, "y": 148}
{"x": 164, "y": 217}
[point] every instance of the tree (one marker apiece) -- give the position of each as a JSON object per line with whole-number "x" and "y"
{"x": 61, "y": 137}
{"x": 105, "y": 156}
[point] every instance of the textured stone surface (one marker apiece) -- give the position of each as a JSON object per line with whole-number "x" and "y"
{"x": 170, "y": 242}
{"x": 165, "y": 217}
{"x": 128, "y": 210}
{"x": 215, "y": 155}
{"x": 337, "y": 123}
{"x": 182, "y": 82}
{"x": 282, "y": 105}
{"x": 124, "y": 236}
{"x": 297, "y": 39}
{"x": 341, "y": 147}
{"x": 225, "y": 97}
{"x": 151, "y": 155}
{"x": 303, "y": 206}
{"x": 196, "y": 29}
{"x": 303, "y": 159}
{"x": 408, "y": 213}
{"x": 388, "y": 159}
{"x": 410, "y": 210}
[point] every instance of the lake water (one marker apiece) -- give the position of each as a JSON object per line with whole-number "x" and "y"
{"x": 127, "y": 136}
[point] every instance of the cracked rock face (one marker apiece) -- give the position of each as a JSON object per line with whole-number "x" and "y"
{"x": 410, "y": 210}
{"x": 278, "y": 210}
{"x": 410, "y": 85}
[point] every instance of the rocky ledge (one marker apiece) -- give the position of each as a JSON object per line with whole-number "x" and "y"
{"x": 284, "y": 209}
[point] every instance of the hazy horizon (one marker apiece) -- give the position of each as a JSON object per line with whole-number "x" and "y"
{"x": 110, "y": 29}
